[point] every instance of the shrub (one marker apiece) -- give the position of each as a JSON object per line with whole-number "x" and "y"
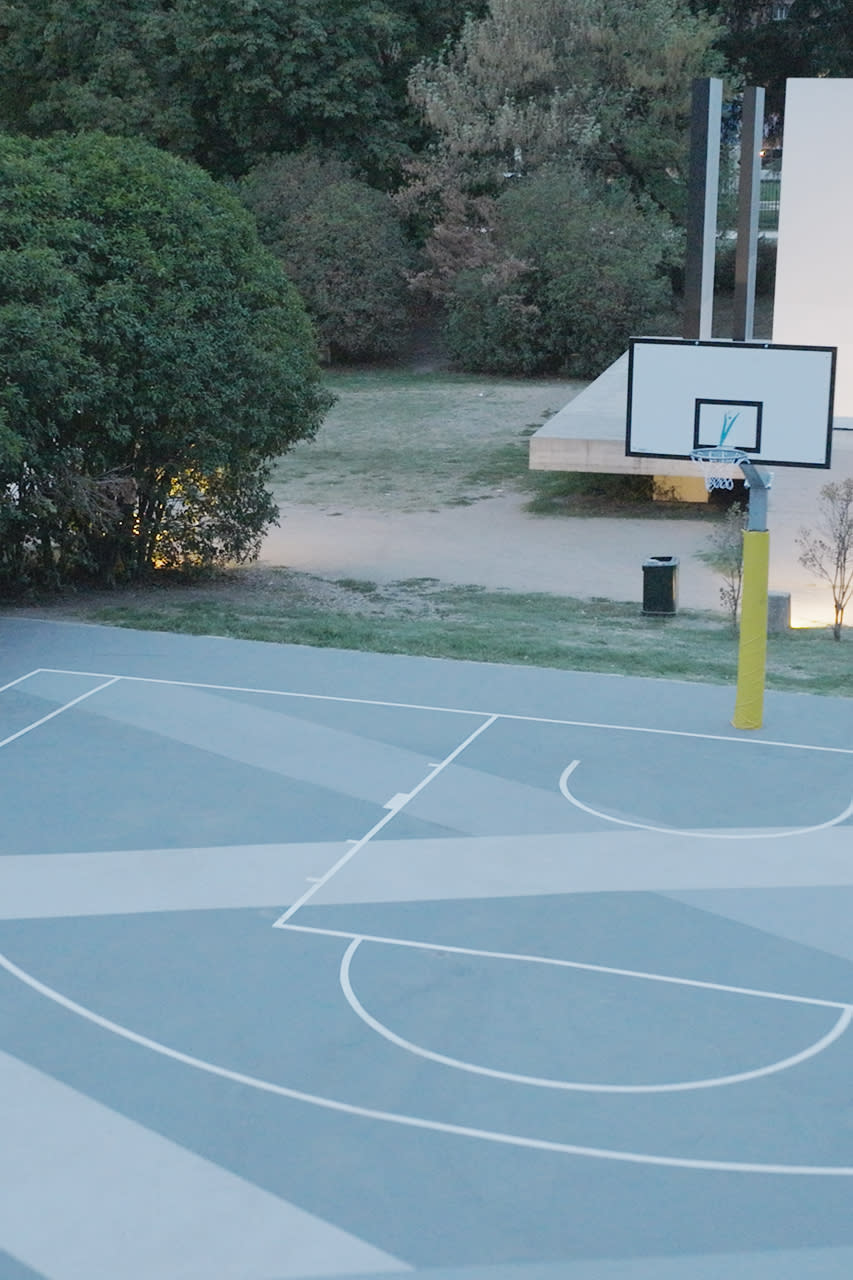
{"x": 580, "y": 267}
{"x": 153, "y": 359}
{"x": 765, "y": 266}
{"x": 342, "y": 244}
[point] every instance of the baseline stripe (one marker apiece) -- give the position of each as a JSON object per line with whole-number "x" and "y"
{"x": 524, "y": 958}
{"x": 468, "y": 711}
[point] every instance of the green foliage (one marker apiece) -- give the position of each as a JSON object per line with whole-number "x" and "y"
{"x": 828, "y": 551}
{"x": 580, "y": 266}
{"x": 153, "y": 359}
{"x": 421, "y": 616}
{"x": 342, "y": 244}
{"x": 492, "y": 326}
{"x": 602, "y": 82}
{"x": 222, "y": 82}
{"x": 724, "y": 554}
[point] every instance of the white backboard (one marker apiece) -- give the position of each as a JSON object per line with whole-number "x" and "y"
{"x": 772, "y": 402}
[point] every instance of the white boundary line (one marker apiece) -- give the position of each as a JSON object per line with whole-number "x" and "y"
{"x": 20, "y": 679}
{"x": 465, "y": 711}
{"x": 59, "y": 710}
{"x": 681, "y": 1086}
{"x": 416, "y": 1122}
{"x": 695, "y": 835}
{"x": 524, "y": 958}
{"x": 392, "y": 813}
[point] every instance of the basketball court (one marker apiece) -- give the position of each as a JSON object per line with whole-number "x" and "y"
{"x": 337, "y": 964}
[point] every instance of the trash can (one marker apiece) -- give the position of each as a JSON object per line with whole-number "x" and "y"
{"x": 660, "y": 585}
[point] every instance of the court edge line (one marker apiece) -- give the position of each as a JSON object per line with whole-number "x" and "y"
{"x": 464, "y": 711}
{"x": 543, "y": 1082}
{"x": 59, "y": 710}
{"x": 524, "y": 958}
{"x": 414, "y": 1122}
{"x": 20, "y": 679}
{"x": 392, "y": 813}
{"x": 694, "y": 835}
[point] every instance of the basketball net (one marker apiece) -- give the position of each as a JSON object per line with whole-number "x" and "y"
{"x": 720, "y": 466}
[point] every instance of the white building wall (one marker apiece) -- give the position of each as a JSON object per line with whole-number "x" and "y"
{"x": 814, "y": 273}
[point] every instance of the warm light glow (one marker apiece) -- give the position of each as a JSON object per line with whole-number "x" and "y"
{"x": 805, "y": 619}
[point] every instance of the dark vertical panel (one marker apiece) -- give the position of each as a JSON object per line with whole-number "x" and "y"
{"x": 703, "y": 185}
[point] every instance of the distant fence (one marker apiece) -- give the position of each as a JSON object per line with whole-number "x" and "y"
{"x": 768, "y": 209}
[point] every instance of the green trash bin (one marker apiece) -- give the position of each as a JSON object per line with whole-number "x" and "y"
{"x": 660, "y": 585}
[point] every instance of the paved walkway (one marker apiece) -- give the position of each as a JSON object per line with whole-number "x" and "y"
{"x": 495, "y": 543}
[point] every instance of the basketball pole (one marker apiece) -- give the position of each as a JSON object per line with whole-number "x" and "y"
{"x": 752, "y": 646}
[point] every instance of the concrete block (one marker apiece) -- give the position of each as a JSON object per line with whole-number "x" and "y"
{"x": 778, "y": 611}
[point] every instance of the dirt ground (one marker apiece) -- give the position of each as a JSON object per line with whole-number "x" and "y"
{"x": 496, "y": 543}
{"x": 492, "y": 543}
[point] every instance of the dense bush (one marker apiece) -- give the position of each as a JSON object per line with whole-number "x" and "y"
{"x": 580, "y": 267}
{"x": 342, "y": 244}
{"x": 153, "y": 360}
{"x": 765, "y": 267}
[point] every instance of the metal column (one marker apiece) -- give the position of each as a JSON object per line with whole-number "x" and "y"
{"x": 749, "y": 204}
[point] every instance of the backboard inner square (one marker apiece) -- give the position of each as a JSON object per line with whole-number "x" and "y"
{"x": 728, "y": 424}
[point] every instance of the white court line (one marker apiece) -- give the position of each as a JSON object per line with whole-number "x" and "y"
{"x": 416, "y": 1122}
{"x": 392, "y": 813}
{"x": 59, "y": 711}
{"x": 20, "y": 680}
{"x": 465, "y": 711}
{"x": 544, "y": 1082}
{"x": 524, "y": 958}
{"x": 695, "y": 835}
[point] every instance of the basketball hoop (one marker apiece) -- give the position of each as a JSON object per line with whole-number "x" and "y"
{"x": 720, "y": 466}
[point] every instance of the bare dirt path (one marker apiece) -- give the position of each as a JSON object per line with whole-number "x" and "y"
{"x": 493, "y": 543}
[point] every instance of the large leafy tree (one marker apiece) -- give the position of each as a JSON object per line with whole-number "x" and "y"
{"x": 602, "y": 82}
{"x": 586, "y": 95}
{"x": 221, "y": 81}
{"x": 153, "y": 360}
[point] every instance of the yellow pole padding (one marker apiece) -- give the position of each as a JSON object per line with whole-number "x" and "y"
{"x": 752, "y": 650}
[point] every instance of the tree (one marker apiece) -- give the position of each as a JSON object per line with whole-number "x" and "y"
{"x": 153, "y": 360}
{"x": 342, "y": 244}
{"x": 602, "y": 82}
{"x": 724, "y": 555}
{"x": 221, "y": 81}
{"x": 828, "y": 551}
{"x": 814, "y": 39}
{"x": 595, "y": 89}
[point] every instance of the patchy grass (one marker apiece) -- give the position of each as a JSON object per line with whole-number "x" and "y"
{"x": 397, "y": 440}
{"x": 402, "y": 441}
{"x": 422, "y": 616}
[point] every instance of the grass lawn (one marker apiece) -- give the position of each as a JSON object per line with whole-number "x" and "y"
{"x": 402, "y": 441}
{"x": 424, "y": 617}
